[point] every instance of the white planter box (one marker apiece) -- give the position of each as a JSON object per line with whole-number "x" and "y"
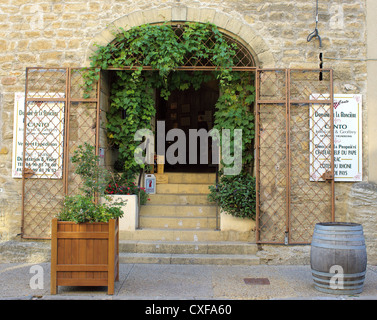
{"x": 129, "y": 221}
{"x": 230, "y": 223}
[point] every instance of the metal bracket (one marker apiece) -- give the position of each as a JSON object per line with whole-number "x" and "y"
{"x": 327, "y": 176}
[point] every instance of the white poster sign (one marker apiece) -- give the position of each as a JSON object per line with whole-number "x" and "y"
{"x": 347, "y": 138}
{"x": 44, "y": 138}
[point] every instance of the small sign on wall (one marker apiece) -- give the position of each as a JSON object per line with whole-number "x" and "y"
{"x": 347, "y": 139}
{"x": 44, "y": 138}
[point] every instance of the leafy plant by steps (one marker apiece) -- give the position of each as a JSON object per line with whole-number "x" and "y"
{"x": 235, "y": 195}
{"x": 82, "y": 208}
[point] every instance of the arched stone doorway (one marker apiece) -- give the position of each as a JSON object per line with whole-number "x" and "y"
{"x": 245, "y": 61}
{"x": 253, "y": 49}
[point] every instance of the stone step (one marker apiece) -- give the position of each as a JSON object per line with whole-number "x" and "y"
{"x": 25, "y": 251}
{"x": 164, "y": 252}
{"x": 167, "y": 258}
{"x": 184, "y": 235}
{"x": 178, "y": 210}
{"x": 188, "y": 247}
{"x": 187, "y": 178}
{"x": 180, "y": 199}
{"x": 168, "y": 222}
{"x": 180, "y": 188}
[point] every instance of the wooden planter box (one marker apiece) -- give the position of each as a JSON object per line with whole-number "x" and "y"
{"x": 85, "y": 254}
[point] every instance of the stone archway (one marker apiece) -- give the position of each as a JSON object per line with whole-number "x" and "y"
{"x": 226, "y": 23}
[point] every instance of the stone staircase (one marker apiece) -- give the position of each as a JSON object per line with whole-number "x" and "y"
{"x": 178, "y": 226}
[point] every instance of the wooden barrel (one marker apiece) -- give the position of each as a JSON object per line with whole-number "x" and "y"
{"x": 338, "y": 257}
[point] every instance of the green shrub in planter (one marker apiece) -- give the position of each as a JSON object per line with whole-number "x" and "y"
{"x": 83, "y": 208}
{"x": 235, "y": 195}
{"x": 80, "y": 208}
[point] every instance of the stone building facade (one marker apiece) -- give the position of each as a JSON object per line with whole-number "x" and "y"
{"x": 63, "y": 34}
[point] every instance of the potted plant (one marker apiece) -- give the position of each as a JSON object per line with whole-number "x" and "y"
{"x": 235, "y": 195}
{"x": 123, "y": 187}
{"x": 85, "y": 234}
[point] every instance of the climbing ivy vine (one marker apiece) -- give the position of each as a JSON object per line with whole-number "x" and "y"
{"x": 161, "y": 48}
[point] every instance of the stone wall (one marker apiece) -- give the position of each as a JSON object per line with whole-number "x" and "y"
{"x": 62, "y": 34}
{"x": 360, "y": 206}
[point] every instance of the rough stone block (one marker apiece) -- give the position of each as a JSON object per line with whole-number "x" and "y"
{"x": 40, "y": 45}
{"x": 221, "y": 19}
{"x": 123, "y": 22}
{"x": 179, "y": 14}
{"x": 149, "y": 16}
{"x": 246, "y": 33}
{"x": 137, "y": 18}
{"x": 207, "y": 15}
{"x": 266, "y": 59}
{"x": 234, "y": 26}
{"x": 259, "y": 45}
{"x": 6, "y": 81}
{"x": 193, "y": 14}
{"x": 163, "y": 15}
